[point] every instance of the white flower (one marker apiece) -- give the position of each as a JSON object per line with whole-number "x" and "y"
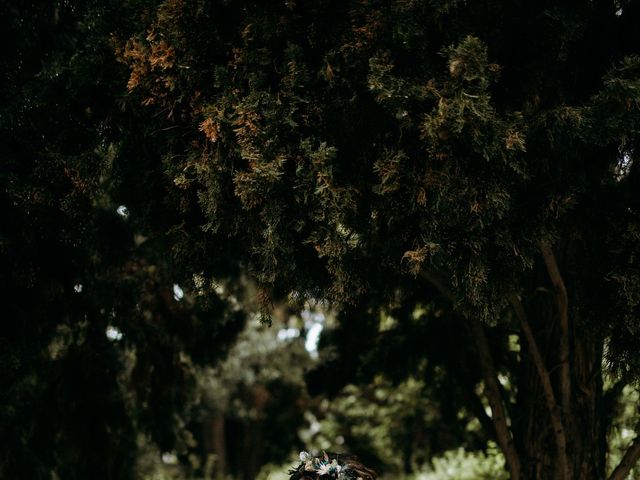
{"x": 324, "y": 469}
{"x": 304, "y": 456}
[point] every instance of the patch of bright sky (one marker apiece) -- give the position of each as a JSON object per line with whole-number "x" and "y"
{"x": 123, "y": 211}
{"x": 178, "y": 293}
{"x": 314, "y": 323}
{"x": 288, "y": 334}
{"x": 623, "y": 168}
{"x": 113, "y": 333}
{"x": 169, "y": 458}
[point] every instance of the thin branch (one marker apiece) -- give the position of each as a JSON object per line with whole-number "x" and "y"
{"x": 474, "y": 399}
{"x": 478, "y": 410}
{"x": 498, "y": 414}
{"x": 490, "y": 376}
{"x": 562, "y": 301}
{"x": 628, "y": 461}
{"x": 545, "y": 380}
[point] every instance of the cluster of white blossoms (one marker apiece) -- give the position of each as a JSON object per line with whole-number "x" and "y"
{"x": 322, "y": 466}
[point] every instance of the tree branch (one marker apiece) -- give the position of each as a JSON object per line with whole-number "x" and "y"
{"x": 498, "y": 414}
{"x": 490, "y": 376}
{"x": 545, "y": 380}
{"x": 628, "y": 461}
{"x": 477, "y": 408}
{"x": 562, "y": 302}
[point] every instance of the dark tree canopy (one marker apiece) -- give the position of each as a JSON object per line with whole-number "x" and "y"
{"x": 477, "y": 155}
{"x": 468, "y": 168}
{"x": 74, "y": 400}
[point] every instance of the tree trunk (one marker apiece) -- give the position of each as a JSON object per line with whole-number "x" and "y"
{"x": 252, "y": 448}
{"x": 559, "y": 421}
{"x": 583, "y": 420}
{"x": 219, "y": 447}
{"x": 214, "y": 442}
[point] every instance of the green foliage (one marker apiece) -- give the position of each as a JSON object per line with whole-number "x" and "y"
{"x": 93, "y": 344}
{"x": 344, "y": 151}
{"x": 463, "y": 465}
{"x": 379, "y": 134}
{"x": 624, "y": 426}
{"x": 354, "y": 152}
{"x": 257, "y": 358}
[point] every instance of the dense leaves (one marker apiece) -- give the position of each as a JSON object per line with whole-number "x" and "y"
{"x": 92, "y": 341}
{"x": 378, "y": 135}
{"x": 373, "y": 153}
{"x": 426, "y": 161}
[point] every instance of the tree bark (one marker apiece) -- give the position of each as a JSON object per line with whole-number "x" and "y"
{"x": 562, "y": 303}
{"x": 534, "y": 431}
{"x": 563, "y": 470}
{"x": 499, "y": 417}
{"x": 492, "y": 389}
{"x": 546, "y": 441}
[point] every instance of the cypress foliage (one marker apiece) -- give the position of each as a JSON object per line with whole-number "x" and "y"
{"x": 466, "y": 167}
{"x": 476, "y": 155}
